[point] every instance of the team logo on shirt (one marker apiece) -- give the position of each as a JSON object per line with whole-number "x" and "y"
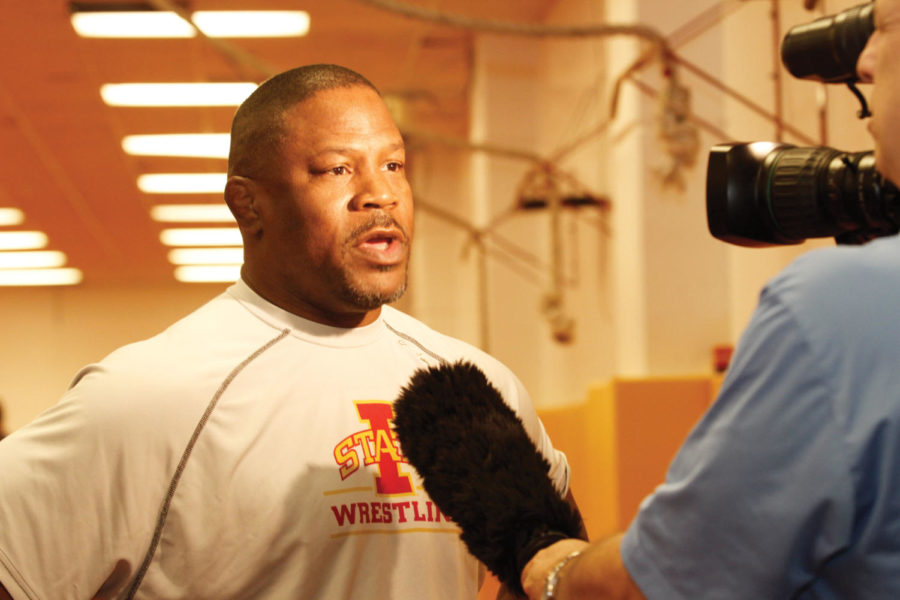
{"x": 375, "y": 445}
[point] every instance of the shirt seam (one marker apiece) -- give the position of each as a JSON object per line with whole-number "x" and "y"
{"x": 185, "y": 456}
{"x": 18, "y": 576}
{"x": 417, "y": 343}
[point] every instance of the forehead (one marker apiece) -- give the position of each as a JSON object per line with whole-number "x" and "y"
{"x": 345, "y": 112}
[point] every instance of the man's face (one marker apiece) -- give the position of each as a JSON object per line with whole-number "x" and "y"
{"x": 337, "y": 214}
{"x": 879, "y": 64}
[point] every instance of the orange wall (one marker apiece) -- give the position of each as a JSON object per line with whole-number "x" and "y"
{"x": 619, "y": 444}
{"x": 621, "y": 440}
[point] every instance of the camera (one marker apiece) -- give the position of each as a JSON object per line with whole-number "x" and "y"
{"x": 766, "y": 193}
{"x": 827, "y": 49}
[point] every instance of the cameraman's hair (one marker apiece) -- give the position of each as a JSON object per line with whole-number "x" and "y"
{"x": 258, "y": 126}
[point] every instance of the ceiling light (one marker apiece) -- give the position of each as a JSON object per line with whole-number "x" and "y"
{"x": 191, "y": 213}
{"x": 252, "y": 23}
{"x": 201, "y": 236}
{"x": 206, "y": 256}
{"x": 22, "y": 240}
{"x": 208, "y": 274}
{"x": 32, "y": 260}
{"x": 26, "y": 277}
{"x": 176, "y": 94}
{"x": 202, "y": 145}
{"x": 213, "y": 23}
{"x": 137, "y": 24}
{"x": 11, "y": 216}
{"x": 182, "y": 183}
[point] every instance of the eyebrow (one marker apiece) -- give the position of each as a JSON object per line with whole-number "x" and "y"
{"x": 350, "y": 149}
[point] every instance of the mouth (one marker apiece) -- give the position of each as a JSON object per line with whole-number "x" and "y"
{"x": 383, "y": 247}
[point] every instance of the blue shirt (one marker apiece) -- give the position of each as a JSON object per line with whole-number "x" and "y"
{"x": 789, "y": 487}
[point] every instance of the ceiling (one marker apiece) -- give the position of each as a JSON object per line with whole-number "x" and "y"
{"x": 62, "y": 162}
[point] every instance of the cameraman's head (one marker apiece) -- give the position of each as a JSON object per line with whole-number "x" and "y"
{"x": 879, "y": 64}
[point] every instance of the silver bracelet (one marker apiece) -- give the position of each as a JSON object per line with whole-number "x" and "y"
{"x": 553, "y": 577}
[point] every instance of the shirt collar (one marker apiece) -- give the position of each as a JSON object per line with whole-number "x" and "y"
{"x": 319, "y": 333}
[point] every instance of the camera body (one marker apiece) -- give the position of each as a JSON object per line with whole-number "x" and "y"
{"x": 765, "y": 193}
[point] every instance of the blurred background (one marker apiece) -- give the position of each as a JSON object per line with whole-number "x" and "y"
{"x": 557, "y": 154}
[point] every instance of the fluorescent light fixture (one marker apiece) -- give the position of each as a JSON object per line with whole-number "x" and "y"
{"x": 27, "y": 277}
{"x": 22, "y": 240}
{"x": 207, "y": 274}
{"x": 252, "y": 23}
{"x": 11, "y": 216}
{"x": 182, "y": 183}
{"x": 201, "y": 236}
{"x": 200, "y": 145}
{"x": 137, "y": 24}
{"x": 38, "y": 259}
{"x": 206, "y": 256}
{"x": 191, "y": 213}
{"x": 176, "y": 94}
{"x": 213, "y": 23}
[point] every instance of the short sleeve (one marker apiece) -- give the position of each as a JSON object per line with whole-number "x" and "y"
{"x": 760, "y": 493}
{"x": 559, "y": 464}
{"x": 69, "y": 510}
{"x": 516, "y": 395}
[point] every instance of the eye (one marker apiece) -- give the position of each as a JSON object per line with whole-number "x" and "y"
{"x": 394, "y": 166}
{"x": 339, "y": 170}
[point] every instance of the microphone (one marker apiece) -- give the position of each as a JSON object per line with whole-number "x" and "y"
{"x": 481, "y": 469}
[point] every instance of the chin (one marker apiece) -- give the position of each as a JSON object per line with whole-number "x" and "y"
{"x": 370, "y": 297}
{"x": 393, "y": 294}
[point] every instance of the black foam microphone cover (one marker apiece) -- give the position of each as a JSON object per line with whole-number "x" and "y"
{"x": 480, "y": 468}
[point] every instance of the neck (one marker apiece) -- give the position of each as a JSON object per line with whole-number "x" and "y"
{"x": 277, "y": 295}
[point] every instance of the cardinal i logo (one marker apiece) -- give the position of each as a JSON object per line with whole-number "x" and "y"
{"x": 375, "y": 445}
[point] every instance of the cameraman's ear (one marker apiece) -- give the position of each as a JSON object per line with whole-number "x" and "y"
{"x": 241, "y": 198}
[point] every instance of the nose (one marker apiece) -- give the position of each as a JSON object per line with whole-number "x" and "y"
{"x": 865, "y": 64}
{"x": 375, "y": 191}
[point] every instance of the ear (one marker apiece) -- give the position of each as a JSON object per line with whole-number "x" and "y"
{"x": 241, "y": 198}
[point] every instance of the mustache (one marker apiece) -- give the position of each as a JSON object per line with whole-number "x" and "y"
{"x": 380, "y": 219}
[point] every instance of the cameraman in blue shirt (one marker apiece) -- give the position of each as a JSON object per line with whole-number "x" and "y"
{"x": 790, "y": 486}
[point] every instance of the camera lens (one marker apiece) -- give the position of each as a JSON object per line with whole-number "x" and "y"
{"x": 762, "y": 194}
{"x": 827, "y": 49}
{"x": 797, "y": 184}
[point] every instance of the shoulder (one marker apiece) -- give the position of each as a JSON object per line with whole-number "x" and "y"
{"x": 823, "y": 326}
{"x": 837, "y": 272}
{"x": 840, "y": 292}
{"x": 445, "y": 348}
{"x": 221, "y": 327}
{"x": 173, "y": 373}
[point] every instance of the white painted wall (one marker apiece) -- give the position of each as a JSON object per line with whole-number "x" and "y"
{"x": 650, "y": 291}
{"x": 656, "y": 293}
{"x": 48, "y": 334}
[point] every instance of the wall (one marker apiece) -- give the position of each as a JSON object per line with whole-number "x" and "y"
{"x": 649, "y": 290}
{"x": 48, "y": 334}
{"x": 532, "y": 98}
{"x": 652, "y": 292}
